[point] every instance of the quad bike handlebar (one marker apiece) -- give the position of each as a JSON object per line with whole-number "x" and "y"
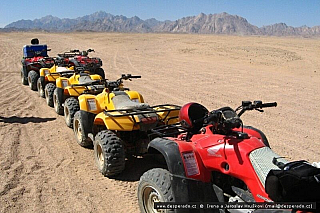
{"x": 111, "y": 85}
{"x": 115, "y": 85}
{"x": 128, "y": 77}
{"x": 225, "y": 119}
{"x": 75, "y": 52}
{"x": 256, "y": 105}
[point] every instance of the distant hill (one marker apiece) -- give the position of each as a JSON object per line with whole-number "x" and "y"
{"x": 223, "y": 23}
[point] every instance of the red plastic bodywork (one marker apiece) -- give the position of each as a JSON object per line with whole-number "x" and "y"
{"x": 84, "y": 60}
{"x": 34, "y": 62}
{"x": 213, "y": 152}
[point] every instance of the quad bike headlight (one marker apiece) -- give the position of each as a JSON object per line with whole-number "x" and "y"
{"x": 92, "y": 106}
{"x": 64, "y": 83}
{"x": 46, "y": 72}
{"x": 190, "y": 163}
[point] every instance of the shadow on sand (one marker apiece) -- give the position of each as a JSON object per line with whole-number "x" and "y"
{"x": 136, "y": 166}
{"x": 24, "y": 120}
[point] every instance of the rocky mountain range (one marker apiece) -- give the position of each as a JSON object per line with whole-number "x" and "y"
{"x": 223, "y": 23}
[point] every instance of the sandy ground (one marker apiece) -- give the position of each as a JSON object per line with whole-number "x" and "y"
{"x": 42, "y": 169}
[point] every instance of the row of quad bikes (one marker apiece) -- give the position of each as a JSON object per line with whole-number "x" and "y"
{"x": 205, "y": 156}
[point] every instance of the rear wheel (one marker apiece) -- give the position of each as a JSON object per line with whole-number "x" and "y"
{"x": 109, "y": 153}
{"x": 71, "y": 106}
{"x": 56, "y": 103}
{"x": 32, "y": 79}
{"x": 79, "y": 132}
{"x": 24, "y": 80}
{"x": 154, "y": 186}
{"x": 40, "y": 89}
{"x": 48, "y": 92}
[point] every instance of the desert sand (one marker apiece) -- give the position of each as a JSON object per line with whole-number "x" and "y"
{"x": 43, "y": 169}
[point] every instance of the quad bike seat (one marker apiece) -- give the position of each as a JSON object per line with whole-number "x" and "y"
{"x": 122, "y": 101}
{"x": 61, "y": 69}
{"x": 85, "y": 79}
{"x": 96, "y": 89}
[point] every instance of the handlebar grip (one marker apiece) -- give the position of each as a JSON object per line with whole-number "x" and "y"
{"x": 273, "y": 104}
{"x": 135, "y": 76}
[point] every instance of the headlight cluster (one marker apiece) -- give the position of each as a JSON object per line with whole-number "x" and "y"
{"x": 92, "y": 106}
{"x": 64, "y": 83}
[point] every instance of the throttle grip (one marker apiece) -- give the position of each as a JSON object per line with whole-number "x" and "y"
{"x": 273, "y": 104}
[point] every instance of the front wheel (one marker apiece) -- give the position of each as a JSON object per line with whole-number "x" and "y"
{"x": 79, "y": 131}
{"x": 109, "y": 153}
{"x": 48, "y": 92}
{"x": 32, "y": 80}
{"x": 40, "y": 89}
{"x": 57, "y": 105}
{"x": 24, "y": 80}
{"x": 71, "y": 106}
{"x": 154, "y": 186}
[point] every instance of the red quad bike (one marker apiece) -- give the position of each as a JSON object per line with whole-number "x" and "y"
{"x": 34, "y": 58}
{"x": 78, "y": 58}
{"x": 215, "y": 158}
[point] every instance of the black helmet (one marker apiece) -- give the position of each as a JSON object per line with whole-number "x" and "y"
{"x": 34, "y": 41}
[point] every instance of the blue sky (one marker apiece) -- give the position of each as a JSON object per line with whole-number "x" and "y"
{"x": 258, "y": 12}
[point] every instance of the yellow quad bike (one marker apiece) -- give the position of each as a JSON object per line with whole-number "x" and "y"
{"x": 65, "y": 95}
{"x": 48, "y": 77}
{"x": 117, "y": 121}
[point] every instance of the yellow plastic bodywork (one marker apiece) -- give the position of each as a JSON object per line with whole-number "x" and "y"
{"x": 168, "y": 117}
{"x": 103, "y": 101}
{"x": 123, "y": 123}
{"x": 51, "y": 74}
{"x": 66, "y": 84}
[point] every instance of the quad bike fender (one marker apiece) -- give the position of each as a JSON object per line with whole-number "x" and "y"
{"x": 48, "y": 75}
{"x": 61, "y": 82}
{"x": 74, "y": 79}
{"x": 75, "y": 91}
{"x": 52, "y": 77}
{"x": 184, "y": 189}
{"x": 170, "y": 151}
{"x": 88, "y": 119}
{"x": 95, "y": 77}
{"x": 135, "y": 96}
{"x": 43, "y": 71}
{"x": 257, "y": 133}
{"x": 122, "y": 123}
{"x": 89, "y": 103}
{"x": 61, "y": 97}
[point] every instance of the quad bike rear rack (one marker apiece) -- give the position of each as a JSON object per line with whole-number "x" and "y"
{"x": 133, "y": 112}
{"x": 171, "y": 130}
